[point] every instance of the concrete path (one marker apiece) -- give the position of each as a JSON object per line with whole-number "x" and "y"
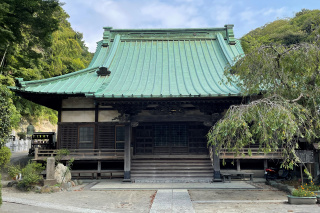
{"x": 172, "y": 200}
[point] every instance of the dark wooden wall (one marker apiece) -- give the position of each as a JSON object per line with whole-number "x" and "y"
{"x": 143, "y": 137}
{"x": 69, "y": 135}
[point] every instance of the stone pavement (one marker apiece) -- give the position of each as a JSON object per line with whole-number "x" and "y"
{"x": 170, "y": 197}
{"x": 172, "y": 200}
{"x": 115, "y": 184}
{"x": 116, "y": 196}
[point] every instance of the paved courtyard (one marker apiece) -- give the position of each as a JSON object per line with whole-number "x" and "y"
{"x": 116, "y": 196}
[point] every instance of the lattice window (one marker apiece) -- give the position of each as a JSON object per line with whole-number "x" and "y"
{"x": 86, "y": 137}
{"x": 68, "y": 136}
{"x": 174, "y": 135}
{"x": 106, "y": 136}
{"x": 120, "y": 137}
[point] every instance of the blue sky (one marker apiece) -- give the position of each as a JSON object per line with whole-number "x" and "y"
{"x": 90, "y": 16}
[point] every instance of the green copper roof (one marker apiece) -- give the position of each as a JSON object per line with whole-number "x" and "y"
{"x": 151, "y": 63}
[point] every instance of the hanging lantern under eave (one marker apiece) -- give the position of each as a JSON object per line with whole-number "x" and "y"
{"x": 30, "y": 129}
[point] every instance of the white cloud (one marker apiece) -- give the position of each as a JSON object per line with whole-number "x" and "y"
{"x": 222, "y": 15}
{"x": 275, "y": 12}
{"x": 90, "y": 16}
{"x": 171, "y": 16}
{"x": 137, "y": 14}
{"x": 250, "y": 15}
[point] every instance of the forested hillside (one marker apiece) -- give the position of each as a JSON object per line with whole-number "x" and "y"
{"x": 304, "y": 27}
{"x": 36, "y": 42}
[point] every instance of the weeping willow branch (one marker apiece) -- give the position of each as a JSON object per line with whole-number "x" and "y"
{"x": 273, "y": 123}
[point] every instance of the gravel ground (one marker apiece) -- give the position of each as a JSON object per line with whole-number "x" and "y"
{"x": 254, "y": 208}
{"x": 82, "y": 200}
{"x": 264, "y": 199}
{"x": 263, "y": 192}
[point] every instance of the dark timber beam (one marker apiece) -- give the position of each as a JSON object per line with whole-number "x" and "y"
{"x": 166, "y": 118}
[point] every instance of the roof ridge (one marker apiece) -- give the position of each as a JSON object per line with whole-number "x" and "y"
{"x": 169, "y": 29}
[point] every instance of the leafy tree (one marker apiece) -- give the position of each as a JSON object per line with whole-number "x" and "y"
{"x": 68, "y": 52}
{"x": 304, "y": 27}
{"x": 282, "y": 67}
{"x": 5, "y": 154}
{"x": 8, "y": 114}
{"x": 36, "y": 42}
{"x": 0, "y": 192}
{"x": 26, "y": 27}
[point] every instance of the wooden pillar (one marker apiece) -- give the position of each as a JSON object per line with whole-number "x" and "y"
{"x": 265, "y": 164}
{"x": 36, "y": 150}
{"x": 301, "y": 173}
{"x": 99, "y": 166}
{"x": 316, "y": 170}
{"x": 96, "y": 126}
{"x": 58, "y": 142}
{"x": 96, "y": 111}
{"x": 216, "y": 166}
{"x": 238, "y": 165}
{"x": 127, "y": 154}
{"x": 59, "y": 115}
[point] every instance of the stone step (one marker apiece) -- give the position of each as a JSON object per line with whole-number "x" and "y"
{"x": 184, "y": 169}
{"x": 169, "y": 167}
{"x": 174, "y": 180}
{"x": 174, "y": 175}
{"x": 171, "y": 163}
{"x": 170, "y": 160}
{"x": 170, "y": 157}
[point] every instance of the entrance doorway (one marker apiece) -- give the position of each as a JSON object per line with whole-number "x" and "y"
{"x": 170, "y": 138}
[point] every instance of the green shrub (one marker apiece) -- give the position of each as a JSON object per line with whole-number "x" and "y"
{"x": 5, "y": 155}
{"x": 60, "y": 153}
{"x": 30, "y": 175}
{"x": 303, "y": 192}
{"x": 311, "y": 186}
{"x": 14, "y": 170}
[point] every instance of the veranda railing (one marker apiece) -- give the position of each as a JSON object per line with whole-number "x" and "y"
{"x": 79, "y": 154}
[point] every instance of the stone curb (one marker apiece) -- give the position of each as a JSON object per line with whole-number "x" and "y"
{"x": 49, "y": 205}
{"x": 240, "y": 201}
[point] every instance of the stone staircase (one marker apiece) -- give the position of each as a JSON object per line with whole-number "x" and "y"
{"x": 197, "y": 168}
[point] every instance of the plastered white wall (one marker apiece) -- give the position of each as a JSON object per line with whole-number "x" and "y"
{"x": 108, "y": 115}
{"x": 77, "y": 116}
{"x": 78, "y": 102}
